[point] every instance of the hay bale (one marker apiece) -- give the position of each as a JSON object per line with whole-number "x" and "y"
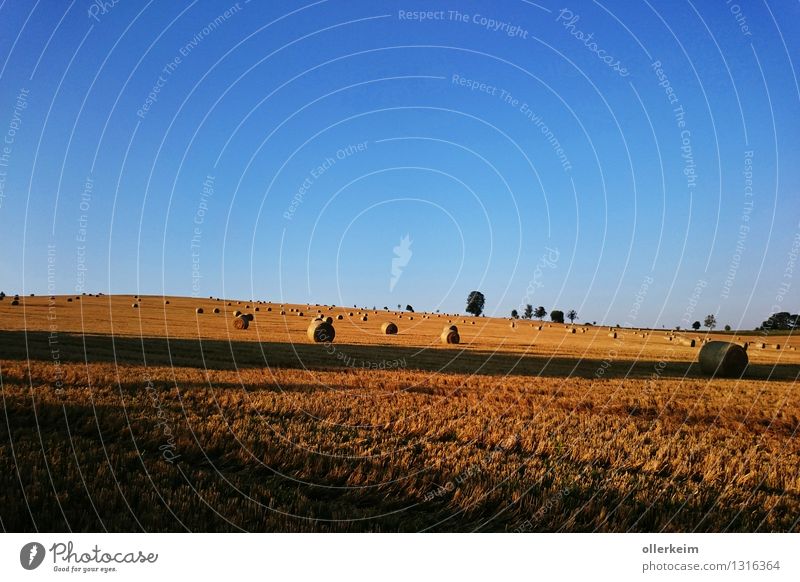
{"x": 613, "y": 334}
{"x": 241, "y": 322}
{"x": 69, "y": 300}
{"x": 237, "y": 313}
{"x": 363, "y": 318}
{"x": 135, "y": 305}
{"x": 15, "y": 302}
{"x": 216, "y": 310}
{"x": 299, "y": 314}
{"x": 321, "y": 330}
{"x": 572, "y": 330}
{"x": 199, "y": 310}
{"x": 687, "y": 341}
{"x": 513, "y": 325}
{"x": 283, "y": 312}
{"x": 450, "y": 335}
{"x": 411, "y": 317}
{"x": 340, "y": 316}
{"x": 389, "y": 328}
{"x": 269, "y": 308}
{"x": 350, "y": 314}
{"x": 166, "y": 302}
{"x": 248, "y": 316}
{"x": 723, "y": 359}
{"x": 258, "y": 309}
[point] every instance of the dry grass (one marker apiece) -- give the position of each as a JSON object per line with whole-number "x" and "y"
{"x": 182, "y": 422}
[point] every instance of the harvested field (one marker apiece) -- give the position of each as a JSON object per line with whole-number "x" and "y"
{"x": 155, "y": 419}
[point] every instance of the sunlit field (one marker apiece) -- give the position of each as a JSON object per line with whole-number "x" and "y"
{"x": 157, "y": 418}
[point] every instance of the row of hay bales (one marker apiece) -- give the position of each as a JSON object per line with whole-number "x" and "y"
{"x": 321, "y": 330}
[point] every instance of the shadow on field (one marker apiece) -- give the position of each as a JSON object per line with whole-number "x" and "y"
{"x": 230, "y": 355}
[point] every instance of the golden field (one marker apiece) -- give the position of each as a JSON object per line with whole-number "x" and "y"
{"x": 161, "y": 419}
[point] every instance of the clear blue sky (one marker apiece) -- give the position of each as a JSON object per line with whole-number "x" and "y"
{"x": 565, "y": 180}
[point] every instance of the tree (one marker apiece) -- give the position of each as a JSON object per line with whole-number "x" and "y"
{"x": 475, "y": 302}
{"x": 696, "y": 325}
{"x": 540, "y": 312}
{"x": 710, "y": 321}
{"x": 399, "y": 307}
{"x": 514, "y": 314}
{"x": 782, "y": 320}
{"x": 409, "y": 308}
{"x": 528, "y": 311}
{"x": 557, "y": 316}
{"x": 572, "y": 315}
{"x": 727, "y": 328}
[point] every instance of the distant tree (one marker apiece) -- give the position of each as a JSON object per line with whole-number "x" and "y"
{"x": 2, "y": 295}
{"x": 710, "y": 321}
{"x": 727, "y": 328}
{"x": 677, "y": 328}
{"x": 557, "y": 316}
{"x": 539, "y": 312}
{"x": 475, "y": 302}
{"x": 782, "y": 320}
{"x": 385, "y": 308}
{"x": 572, "y": 315}
{"x": 514, "y": 314}
{"x": 528, "y": 314}
{"x": 399, "y": 307}
{"x": 696, "y": 325}
{"x": 409, "y": 308}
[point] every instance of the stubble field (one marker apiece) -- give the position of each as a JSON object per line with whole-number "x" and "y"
{"x": 161, "y": 419}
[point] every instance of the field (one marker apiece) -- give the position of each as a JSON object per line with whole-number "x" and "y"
{"x": 159, "y": 419}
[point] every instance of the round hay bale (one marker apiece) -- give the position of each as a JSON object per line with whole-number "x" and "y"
{"x": 472, "y": 322}
{"x": 572, "y": 330}
{"x": 299, "y": 314}
{"x": 237, "y": 313}
{"x": 687, "y": 341}
{"x": 723, "y": 359}
{"x": 363, "y": 318}
{"x": 450, "y": 335}
{"x": 350, "y": 314}
{"x": 389, "y": 328}
{"x": 241, "y": 322}
{"x": 166, "y": 302}
{"x": 135, "y": 305}
{"x": 613, "y": 334}
{"x": 340, "y": 316}
{"x": 321, "y": 330}
{"x": 199, "y": 310}
{"x": 15, "y": 302}
{"x": 216, "y": 310}
{"x": 258, "y": 309}
{"x": 248, "y": 316}
{"x": 283, "y": 312}
{"x": 69, "y": 300}
{"x": 269, "y": 308}
{"x": 411, "y": 317}
{"x": 513, "y": 325}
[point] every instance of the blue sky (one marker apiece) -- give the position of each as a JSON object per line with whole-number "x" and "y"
{"x": 522, "y": 156}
